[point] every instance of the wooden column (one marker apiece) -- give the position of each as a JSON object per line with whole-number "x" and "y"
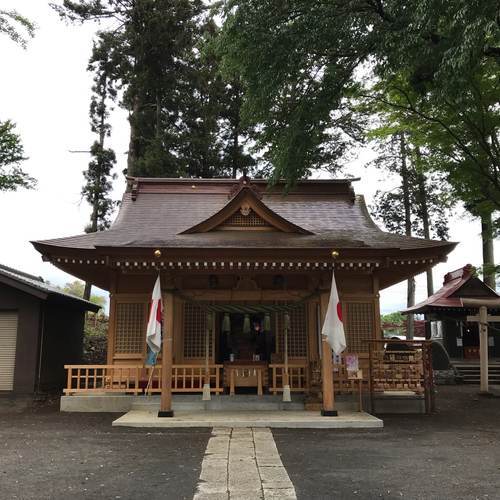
{"x": 483, "y": 347}
{"x": 326, "y": 366}
{"x": 112, "y": 320}
{"x": 167, "y": 357}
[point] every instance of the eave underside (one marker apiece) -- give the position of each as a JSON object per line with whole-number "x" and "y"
{"x": 99, "y": 266}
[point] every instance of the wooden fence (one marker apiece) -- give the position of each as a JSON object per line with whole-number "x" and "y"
{"x": 298, "y": 377}
{"x": 136, "y": 379}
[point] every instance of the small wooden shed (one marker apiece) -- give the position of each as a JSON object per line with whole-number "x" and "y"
{"x": 41, "y": 329}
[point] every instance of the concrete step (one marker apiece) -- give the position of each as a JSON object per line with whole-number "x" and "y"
{"x": 222, "y": 403}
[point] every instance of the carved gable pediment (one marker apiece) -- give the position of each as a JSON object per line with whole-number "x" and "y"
{"x": 246, "y": 211}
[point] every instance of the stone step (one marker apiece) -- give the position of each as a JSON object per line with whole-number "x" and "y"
{"x": 222, "y": 403}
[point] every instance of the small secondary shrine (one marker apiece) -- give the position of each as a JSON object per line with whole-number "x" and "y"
{"x": 246, "y": 273}
{"x": 448, "y": 308}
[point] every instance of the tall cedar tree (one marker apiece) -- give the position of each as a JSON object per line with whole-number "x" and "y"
{"x": 418, "y": 206}
{"x": 179, "y": 107}
{"x": 99, "y": 175}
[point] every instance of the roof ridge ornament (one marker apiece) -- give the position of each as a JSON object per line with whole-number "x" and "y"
{"x": 244, "y": 182}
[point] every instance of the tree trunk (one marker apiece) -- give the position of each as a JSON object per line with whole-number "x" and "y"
{"x": 132, "y": 147}
{"x": 488, "y": 252}
{"x": 236, "y": 147}
{"x": 424, "y": 211}
{"x": 87, "y": 290}
{"x": 410, "y": 320}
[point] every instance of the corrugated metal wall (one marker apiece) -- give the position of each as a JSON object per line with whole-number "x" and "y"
{"x": 8, "y": 338}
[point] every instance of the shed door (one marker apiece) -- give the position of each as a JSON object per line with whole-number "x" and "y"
{"x": 8, "y": 336}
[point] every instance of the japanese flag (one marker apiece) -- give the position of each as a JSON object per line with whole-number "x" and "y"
{"x": 153, "y": 332}
{"x": 333, "y": 328}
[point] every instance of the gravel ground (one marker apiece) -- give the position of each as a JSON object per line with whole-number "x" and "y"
{"x": 455, "y": 454}
{"x": 51, "y": 455}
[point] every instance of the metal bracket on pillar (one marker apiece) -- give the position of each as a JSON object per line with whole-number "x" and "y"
{"x": 168, "y": 413}
{"x": 329, "y": 413}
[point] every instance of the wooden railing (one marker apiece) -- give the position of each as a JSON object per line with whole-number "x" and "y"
{"x": 298, "y": 376}
{"x": 136, "y": 379}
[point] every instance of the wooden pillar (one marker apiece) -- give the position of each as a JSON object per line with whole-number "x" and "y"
{"x": 326, "y": 366}
{"x": 111, "y": 329}
{"x": 112, "y": 320}
{"x": 167, "y": 357}
{"x": 312, "y": 332}
{"x": 483, "y": 347}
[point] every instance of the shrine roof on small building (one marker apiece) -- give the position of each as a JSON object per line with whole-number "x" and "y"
{"x": 212, "y": 213}
{"x": 458, "y": 288}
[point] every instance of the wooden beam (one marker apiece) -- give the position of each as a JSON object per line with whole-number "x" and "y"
{"x": 167, "y": 357}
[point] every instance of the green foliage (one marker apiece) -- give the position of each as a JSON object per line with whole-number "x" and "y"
{"x": 77, "y": 287}
{"x": 95, "y": 340}
{"x": 17, "y": 27}
{"x": 12, "y": 176}
{"x": 395, "y": 318}
{"x": 303, "y": 63}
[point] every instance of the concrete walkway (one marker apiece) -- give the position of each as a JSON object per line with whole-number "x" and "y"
{"x": 243, "y": 464}
{"x": 237, "y": 419}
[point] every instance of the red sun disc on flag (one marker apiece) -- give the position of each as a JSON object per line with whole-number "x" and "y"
{"x": 339, "y": 310}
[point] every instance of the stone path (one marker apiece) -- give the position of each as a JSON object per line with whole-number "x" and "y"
{"x": 243, "y": 464}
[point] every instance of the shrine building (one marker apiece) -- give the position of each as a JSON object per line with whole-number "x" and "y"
{"x": 245, "y": 273}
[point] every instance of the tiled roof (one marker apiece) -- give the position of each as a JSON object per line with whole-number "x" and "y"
{"x": 37, "y": 283}
{"x": 450, "y": 294}
{"x": 153, "y": 213}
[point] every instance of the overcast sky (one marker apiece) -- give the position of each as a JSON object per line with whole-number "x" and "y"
{"x": 46, "y": 90}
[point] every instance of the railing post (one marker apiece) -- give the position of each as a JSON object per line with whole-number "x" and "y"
{"x": 68, "y": 383}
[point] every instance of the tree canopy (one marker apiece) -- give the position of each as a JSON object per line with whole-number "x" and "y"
{"x": 12, "y": 176}
{"x": 17, "y": 27}
{"x": 184, "y": 116}
{"x": 304, "y": 62}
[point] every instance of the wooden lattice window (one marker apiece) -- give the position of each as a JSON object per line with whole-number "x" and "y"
{"x": 130, "y": 328}
{"x": 359, "y": 325}
{"x": 195, "y": 331}
{"x": 250, "y": 220}
{"x": 297, "y": 335}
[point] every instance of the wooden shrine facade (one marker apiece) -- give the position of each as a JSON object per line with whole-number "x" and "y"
{"x": 230, "y": 246}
